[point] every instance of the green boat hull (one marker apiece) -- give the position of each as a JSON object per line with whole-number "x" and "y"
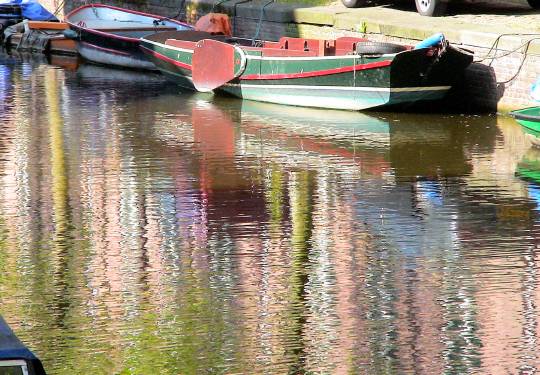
{"x": 350, "y": 82}
{"x": 529, "y": 118}
{"x": 332, "y": 97}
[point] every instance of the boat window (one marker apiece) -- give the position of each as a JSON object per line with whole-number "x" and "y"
{"x": 13, "y": 367}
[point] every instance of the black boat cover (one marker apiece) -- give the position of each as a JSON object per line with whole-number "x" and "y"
{"x": 11, "y": 348}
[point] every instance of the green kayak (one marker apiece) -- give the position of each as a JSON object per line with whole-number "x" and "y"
{"x": 529, "y": 118}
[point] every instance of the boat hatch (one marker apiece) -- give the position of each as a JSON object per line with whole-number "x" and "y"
{"x": 13, "y": 367}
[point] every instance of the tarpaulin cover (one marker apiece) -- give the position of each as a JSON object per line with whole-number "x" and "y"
{"x": 31, "y": 9}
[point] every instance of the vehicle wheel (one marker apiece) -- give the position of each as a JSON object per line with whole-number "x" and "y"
{"x": 353, "y": 3}
{"x": 432, "y": 8}
{"x": 534, "y": 3}
{"x": 378, "y": 48}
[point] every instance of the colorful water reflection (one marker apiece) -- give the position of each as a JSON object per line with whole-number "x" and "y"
{"x": 145, "y": 230}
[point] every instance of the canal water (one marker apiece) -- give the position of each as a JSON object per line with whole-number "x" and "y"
{"x": 148, "y": 231}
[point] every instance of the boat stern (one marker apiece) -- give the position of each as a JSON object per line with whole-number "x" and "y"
{"x": 427, "y": 74}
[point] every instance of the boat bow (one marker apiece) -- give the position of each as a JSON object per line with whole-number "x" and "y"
{"x": 209, "y": 75}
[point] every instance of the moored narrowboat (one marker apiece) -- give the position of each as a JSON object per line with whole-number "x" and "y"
{"x": 345, "y": 73}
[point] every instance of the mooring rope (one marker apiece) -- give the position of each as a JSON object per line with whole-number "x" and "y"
{"x": 176, "y": 16}
{"x": 495, "y": 47}
{"x": 215, "y": 4}
{"x": 254, "y": 42}
{"x": 522, "y": 62}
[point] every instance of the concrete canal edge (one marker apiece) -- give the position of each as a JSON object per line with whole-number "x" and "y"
{"x": 499, "y": 84}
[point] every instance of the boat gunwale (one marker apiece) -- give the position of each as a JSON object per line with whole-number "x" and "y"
{"x": 111, "y": 35}
{"x": 166, "y": 58}
{"x": 519, "y": 115}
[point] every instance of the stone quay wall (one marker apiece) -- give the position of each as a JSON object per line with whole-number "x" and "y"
{"x": 499, "y": 84}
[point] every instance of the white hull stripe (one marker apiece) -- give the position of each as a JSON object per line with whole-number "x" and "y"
{"x": 166, "y": 46}
{"x": 344, "y": 88}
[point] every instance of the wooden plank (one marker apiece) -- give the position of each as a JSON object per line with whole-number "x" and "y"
{"x": 63, "y": 45}
{"x": 44, "y": 25}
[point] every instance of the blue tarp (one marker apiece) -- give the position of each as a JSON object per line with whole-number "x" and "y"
{"x": 31, "y": 9}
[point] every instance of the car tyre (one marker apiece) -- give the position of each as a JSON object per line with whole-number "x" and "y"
{"x": 378, "y": 48}
{"x": 353, "y": 3}
{"x": 433, "y": 8}
{"x": 534, "y": 3}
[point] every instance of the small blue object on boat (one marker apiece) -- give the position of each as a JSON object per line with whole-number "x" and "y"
{"x": 535, "y": 90}
{"x": 70, "y": 34}
{"x": 15, "y": 357}
{"x": 432, "y": 41}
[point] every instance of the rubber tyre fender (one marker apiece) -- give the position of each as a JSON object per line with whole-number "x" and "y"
{"x": 354, "y": 3}
{"x": 535, "y": 4}
{"x": 378, "y": 48}
{"x": 432, "y": 8}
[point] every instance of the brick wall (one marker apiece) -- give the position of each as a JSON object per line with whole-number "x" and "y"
{"x": 501, "y": 84}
